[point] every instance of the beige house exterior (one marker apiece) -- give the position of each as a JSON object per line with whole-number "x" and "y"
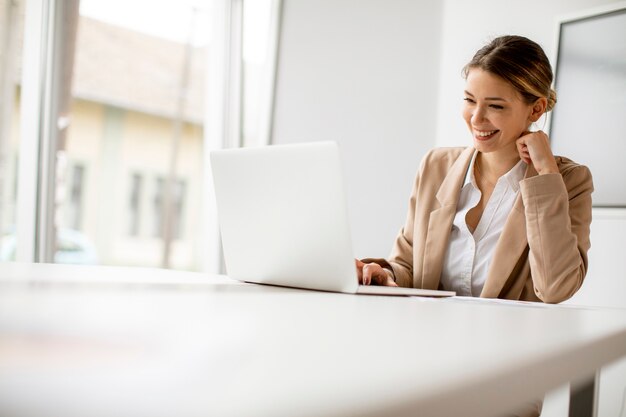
{"x": 119, "y": 140}
{"x": 126, "y": 86}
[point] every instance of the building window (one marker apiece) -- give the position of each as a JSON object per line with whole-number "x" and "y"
{"x": 177, "y": 219}
{"x": 157, "y": 207}
{"x": 136, "y": 187}
{"x": 178, "y": 198}
{"x": 76, "y": 192}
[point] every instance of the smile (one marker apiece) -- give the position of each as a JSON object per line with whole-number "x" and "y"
{"x": 485, "y": 134}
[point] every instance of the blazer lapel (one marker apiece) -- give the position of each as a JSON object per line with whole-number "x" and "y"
{"x": 510, "y": 247}
{"x": 440, "y": 221}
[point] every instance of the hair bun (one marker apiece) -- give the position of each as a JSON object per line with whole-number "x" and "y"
{"x": 551, "y": 99}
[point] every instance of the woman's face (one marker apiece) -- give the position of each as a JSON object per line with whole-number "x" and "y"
{"x": 494, "y": 111}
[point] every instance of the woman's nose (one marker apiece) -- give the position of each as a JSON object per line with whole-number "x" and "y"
{"x": 479, "y": 115}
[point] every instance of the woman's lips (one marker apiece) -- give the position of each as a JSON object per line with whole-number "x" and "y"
{"x": 485, "y": 134}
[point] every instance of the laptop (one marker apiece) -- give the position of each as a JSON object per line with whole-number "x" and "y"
{"x": 284, "y": 221}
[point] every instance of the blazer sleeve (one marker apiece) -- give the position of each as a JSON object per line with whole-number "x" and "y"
{"x": 558, "y": 217}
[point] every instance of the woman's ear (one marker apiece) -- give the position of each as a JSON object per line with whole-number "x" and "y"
{"x": 538, "y": 109}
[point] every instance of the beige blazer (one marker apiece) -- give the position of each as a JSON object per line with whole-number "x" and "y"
{"x": 542, "y": 252}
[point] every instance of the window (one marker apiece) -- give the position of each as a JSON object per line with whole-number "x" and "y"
{"x": 179, "y": 215}
{"x": 11, "y": 47}
{"x": 119, "y": 87}
{"x": 76, "y": 197}
{"x": 158, "y": 207}
{"x": 134, "y": 213}
{"x": 260, "y": 20}
{"x": 137, "y": 104}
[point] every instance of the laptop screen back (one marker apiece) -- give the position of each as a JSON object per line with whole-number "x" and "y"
{"x": 283, "y": 217}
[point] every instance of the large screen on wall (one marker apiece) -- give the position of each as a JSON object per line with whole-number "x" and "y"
{"x": 588, "y": 123}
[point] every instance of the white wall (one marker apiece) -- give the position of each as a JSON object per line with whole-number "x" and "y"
{"x": 363, "y": 73}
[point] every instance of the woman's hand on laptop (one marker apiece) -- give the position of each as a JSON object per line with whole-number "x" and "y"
{"x": 373, "y": 274}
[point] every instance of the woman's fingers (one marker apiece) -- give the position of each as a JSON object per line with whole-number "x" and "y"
{"x": 534, "y": 148}
{"x": 359, "y": 270}
{"x": 369, "y": 270}
{"x": 373, "y": 274}
{"x": 522, "y": 148}
{"x": 524, "y": 154}
{"x": 369, "y": 273}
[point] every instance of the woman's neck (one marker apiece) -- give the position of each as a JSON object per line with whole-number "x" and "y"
{"x": 493, "y": 165}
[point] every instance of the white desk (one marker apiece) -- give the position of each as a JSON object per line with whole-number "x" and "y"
{"x": 87, "y": 341}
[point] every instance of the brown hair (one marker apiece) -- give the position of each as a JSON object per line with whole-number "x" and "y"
{"x": 519, "y": 61}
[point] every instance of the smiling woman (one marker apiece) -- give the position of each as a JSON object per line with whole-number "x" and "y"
{"x": 519, "y": 226}
{"x": 503, "y": 218}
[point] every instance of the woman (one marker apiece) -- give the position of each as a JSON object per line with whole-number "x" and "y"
{"x": 503, "y": 218}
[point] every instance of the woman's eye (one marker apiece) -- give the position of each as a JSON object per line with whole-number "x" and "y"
{"x": 497, "y": 107}
{"x": 468, "y": 100}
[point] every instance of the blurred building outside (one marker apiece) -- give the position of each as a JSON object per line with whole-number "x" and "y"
{"x": 124, "y": 90}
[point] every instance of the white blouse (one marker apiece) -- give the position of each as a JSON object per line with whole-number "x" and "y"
{"x": 467, "y": 259}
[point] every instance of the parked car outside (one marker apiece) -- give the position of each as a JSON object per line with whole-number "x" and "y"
{"x": 73, "y": 247}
